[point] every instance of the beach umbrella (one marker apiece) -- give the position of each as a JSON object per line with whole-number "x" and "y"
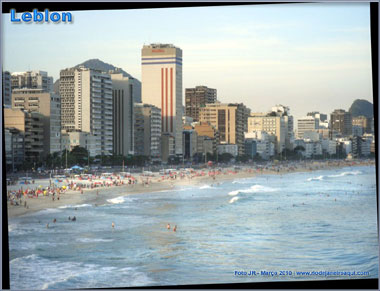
{"x": 40, "y": 186}
{"x": 63, "y": 187}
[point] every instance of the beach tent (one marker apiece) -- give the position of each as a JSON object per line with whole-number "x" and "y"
{"x": 76, "y": 168}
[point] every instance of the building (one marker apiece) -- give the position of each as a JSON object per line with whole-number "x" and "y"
{"x": 308, "y": 123}
{"x": 32, "y": 80}
{"x": 312, "y": 135}
{"x": 14, "y": 148}
{"x": 206, "y": 133}
{"x": 357, "y": 130}
{"x": 312, "y": 149}
{"x": 167, "y": 147}
{"x": 362, "y": 122}
{"x": 232, "y": 149}
{"x": 284, "y": 111}
{"x": 196, "y": 98}
{"x": 147, "y": 130}
{"x": 31, "y": 126}
{"x": 229, "y": 119}
{"x": 189, "y": 143}
{"x": 265, "y": 143}
{"x": 250, "y": 147}
{"x": 341, "y": 122}
{"x": 76, "y": 138}
{"x": 49, "y": 105}
{"x": 272, "y": 124}
{"x": 87, "y": 105}
{"x": 123, "y": 114}
{"x": 162, "y": 87}
{"x": 328, "y": 146}
{"x": 7, "y": 88}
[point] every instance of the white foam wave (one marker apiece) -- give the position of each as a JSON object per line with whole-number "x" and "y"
{"x": 53, "y": 273}
{"x": 253, "y": 189}
{"x": 354, "y": 173}
{"x": 117, "y": 200}
{"x": 74, "y": 206}
{"x": 93, "y": 240}
{"x": 320, "y": 178}
{"x": 242, "y": 182}
{"x": 234, "y": 199}
{"x": 206, "y": 187}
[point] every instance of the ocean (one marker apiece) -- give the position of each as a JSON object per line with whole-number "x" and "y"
{"x": 274, "y": 225}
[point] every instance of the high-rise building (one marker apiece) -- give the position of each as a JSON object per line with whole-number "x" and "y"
{"x": 198, "y": 97}
{"x": 322, "y": 119}
{"x": 229, "y": 119}
{"x": 272, "y": 124}
{"x": 341, "y": 122}
{"x": 123, "y": 114}
{"x": 75, "y": 138}
{"x": 362, "y": 122}
{"x": 30, "y": 124}
{"x": 14, "y": 148}
{"x": 86, "y": 105}
{"x": 7, "y": 89}
{"x": 162, "y": 87}
{"x": 205, "y": 133}
{"x": 32, "y": 80}
{"x": 305, "y": 124}
{"x": 49, "y": 105}
{"x": 284, "y": 112}
{"x": 147, "y": 131}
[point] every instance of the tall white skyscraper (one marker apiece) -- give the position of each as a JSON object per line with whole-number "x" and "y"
{"x": 162, "y": 87}
{"x": 87, "y": 105}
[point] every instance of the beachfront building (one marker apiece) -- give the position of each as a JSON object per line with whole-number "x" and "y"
{"x": 272, "y": 124}
{"x": 361, "y": 122}
{"x": 250, "y": 147}
{"x": 72, "y": 139}
{"x": 341, "y": 123}
{"x": 357, "y": 130}
{"x": 305, "y": 124}
{"x": 206, "y": 133}
{"x": 231, "y": 149}
{"x": 49, "y": 105}
{"x": 14, "y": 148}
{"x": 196, "y": 98}
{"x": 328, "y": 146}
{"x": 265, "y": 143}
{"x": 32, "y": 80}
{"x": 312, "y": 135}
{"x": 87, "y": 105}
{"x": 123, "y": 88}
{"x": 189, "y": 143}
{"x": 162, "y": 87}
{"x": 31, "y": 126}
{"x": 147, "y": 131}
{"x": 229, "y": 119}
{"x": 312, "y": 149}
{"x": 7, "y": 88}
{"x": 284, "y": 112}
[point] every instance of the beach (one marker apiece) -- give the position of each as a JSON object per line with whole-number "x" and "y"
{"x": 209, "y": 176}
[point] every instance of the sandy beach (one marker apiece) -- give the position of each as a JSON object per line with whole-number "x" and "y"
{"x": 99, "y": 196}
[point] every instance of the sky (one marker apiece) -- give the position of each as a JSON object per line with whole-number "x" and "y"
{"x": 310, "y": 57}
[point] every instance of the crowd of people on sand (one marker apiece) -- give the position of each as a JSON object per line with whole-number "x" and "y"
{"x": 91, "y": 181}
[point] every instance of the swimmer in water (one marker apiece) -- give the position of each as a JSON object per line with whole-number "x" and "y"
{"x": 55, "y": 220}
{"x": 69, "y": 218}
{"x": 168, "y": 226}
{"x": 113, "y": 225}
{"x": 175, "y": 228}
{"x": 74, "y": 219}
{"x": 47, "y": 225}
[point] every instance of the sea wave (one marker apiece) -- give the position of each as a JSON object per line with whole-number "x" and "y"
{"x": 253, "y": 189}
{"x": 234, "y": 199}
{"x": 93, "y": 240}
{"x": 320, "y": 178}
{"x": 54, "y": 274}
{"x": 206, "y": 187}
{"x": 74, "y": 206}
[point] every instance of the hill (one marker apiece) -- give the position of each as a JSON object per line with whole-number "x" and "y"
{"x": 97, "y": 64}
{"x": 361, "y": 107}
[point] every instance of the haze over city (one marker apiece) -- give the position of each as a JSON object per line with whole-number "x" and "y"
{"x": 306, "y": 56}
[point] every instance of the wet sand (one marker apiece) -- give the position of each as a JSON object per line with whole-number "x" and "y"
{"x": 90, "y": 196}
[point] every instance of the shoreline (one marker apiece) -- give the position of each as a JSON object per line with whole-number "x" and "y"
{"x": 90, "y": 196}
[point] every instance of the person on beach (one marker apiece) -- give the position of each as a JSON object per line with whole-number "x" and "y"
{"x": 168, "y": 226}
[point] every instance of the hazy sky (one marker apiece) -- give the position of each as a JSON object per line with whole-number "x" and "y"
{"x": 311, "y": 57}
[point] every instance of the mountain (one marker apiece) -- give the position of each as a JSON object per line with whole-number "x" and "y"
{"x": 97, "y": 64}
{"x": 361, "y": 107}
